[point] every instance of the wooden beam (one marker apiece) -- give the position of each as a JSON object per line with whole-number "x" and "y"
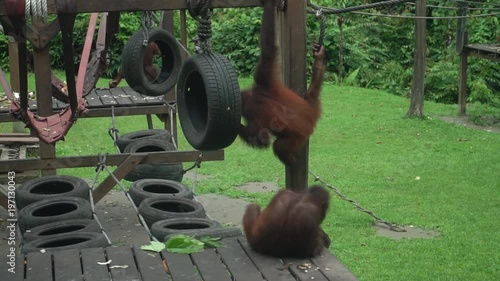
{"x": 293, "y": 54}
{"x": 111, "y": 160}
{"x": 90, "y": 6}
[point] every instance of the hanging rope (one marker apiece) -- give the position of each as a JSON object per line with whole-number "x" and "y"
{"x": 113, "y": 131}
{"x": 91, "y": 196}
{"x": 332, "y": 11}
{"x": 147, "y": 22}
{"x": 203, "y": 15}
{"x": 391, "y": 226}
{"x": 37, "y": 10}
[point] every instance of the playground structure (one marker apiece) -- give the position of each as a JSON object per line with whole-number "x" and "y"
{"x": 108, "y": 102}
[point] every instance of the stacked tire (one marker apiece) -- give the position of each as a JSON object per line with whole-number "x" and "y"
{"x": 146, "y": 141}
{"x": 55, "y": 214}
{"x": 168, "y": 208}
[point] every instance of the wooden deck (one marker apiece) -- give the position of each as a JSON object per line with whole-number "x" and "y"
{"x": 233, "y": 261}
{"x": 99, "y": 102}
{"x": 490, "y": 52}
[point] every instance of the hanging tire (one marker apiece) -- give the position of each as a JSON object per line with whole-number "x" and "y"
{"x": 171, "y": 171}
{"x": 53, "y": 209}
{"x": 162, "y": 228}
{"x": 48, "y": 187}
{"x": 133, "y": 56}
{"x": 209, "y": 101}
{"x": 221, "y": 232}
{"x": 129, "y": 138}
{"x": 64, "y": 241}
{"x": 59, "y": 227}
{"x": 146, "y": 188}
{"x": 155, "y": 209}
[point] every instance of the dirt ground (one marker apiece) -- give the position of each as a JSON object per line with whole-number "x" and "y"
{"x": 466, "y": 122}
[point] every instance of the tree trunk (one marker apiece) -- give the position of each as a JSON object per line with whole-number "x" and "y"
{"x": 417, "y": 91}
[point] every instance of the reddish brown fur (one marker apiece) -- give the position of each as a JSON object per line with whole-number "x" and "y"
{"x": 269, "y": 107}
{"x": 290, "y": 225}
{"x": 150, "y": 70}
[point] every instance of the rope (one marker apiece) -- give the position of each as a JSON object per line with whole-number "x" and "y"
{"x": 436, "y": 18}
{"x": 332, "y": 11}
{"x": 391, "y": 226}
{"x": 37, "y": 9}
{"x": 113, "y": 131}
{"x": 147, "y": 22}
{"x": 203, "y": 15}
{"x": 319, "y": 14}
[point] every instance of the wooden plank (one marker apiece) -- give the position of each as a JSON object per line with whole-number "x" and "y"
{"x": 150, "y": 265}
{"x": 312, "y": 273}
{"x": 90, "y": 6}
{"x": 237, "y": 261}
{"x": 332, "y": 268}
{"x": 91, "y": 269}
{"x": 122, "y": 256}
{"x": 93, "y": 100}
{"x": 19, "y": 140}
{"x": 181, "y": 267}
{"x": 39, "y": 267}
{"x": 122, "y": 98}
{"x": 270, "y": 267}
{"x": 210, "y": 266}
{"x": 111, "y": 160}
{"x": 67, "y": 265}
{"x": 106, "y": 97}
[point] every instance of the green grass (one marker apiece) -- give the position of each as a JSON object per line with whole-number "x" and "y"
{"x": 365, "y": 146}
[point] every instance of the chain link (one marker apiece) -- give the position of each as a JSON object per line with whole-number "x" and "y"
{"x": 392, "y": 226}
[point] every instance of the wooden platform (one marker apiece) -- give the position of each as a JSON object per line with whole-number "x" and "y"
{"x": 99, "y": 102}
{"x": 233, "y": 261}
{"x": 485, "y": 51}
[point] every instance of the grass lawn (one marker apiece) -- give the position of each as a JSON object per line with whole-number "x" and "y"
{"x": 423, "y": 172}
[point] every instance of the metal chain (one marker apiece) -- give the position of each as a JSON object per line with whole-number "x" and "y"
{"x": 392, "y": 226}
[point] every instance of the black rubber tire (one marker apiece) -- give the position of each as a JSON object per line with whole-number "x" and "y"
{"x": 146, "y": 188}
{"x": 132, "y": 63}
{"x": 53, "y": 209}
{"x": 209, "y": 101}
{"x": 222, "y": 232}
{"x": 129, "y": 138}
{"x": 59, "y": 227}
{"x": 49, "y": 186}
{"x": 159, "y": 208}
{"x": 64, "y": 241}
{"x": 173, "y": 171}
{"x": 162, "y": 228}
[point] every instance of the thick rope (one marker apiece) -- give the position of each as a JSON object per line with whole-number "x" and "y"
{"x": 147, "y": 22}
{"x": 36, "y": 9}
{"x": 91, "y": 196}
{"x": 203, "y": 15}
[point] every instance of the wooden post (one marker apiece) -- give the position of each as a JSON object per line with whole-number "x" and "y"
{"x": 293, "y": 54}
{"x": 418, "y": 84}
{"x": 41, "y": 59}
{"x": 168, "y": 24}
{"x": 17, "y": 126}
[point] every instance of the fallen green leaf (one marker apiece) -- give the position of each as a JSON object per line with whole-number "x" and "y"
{"x": 184, "y": 244}
{"x": 154, "y": 246}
